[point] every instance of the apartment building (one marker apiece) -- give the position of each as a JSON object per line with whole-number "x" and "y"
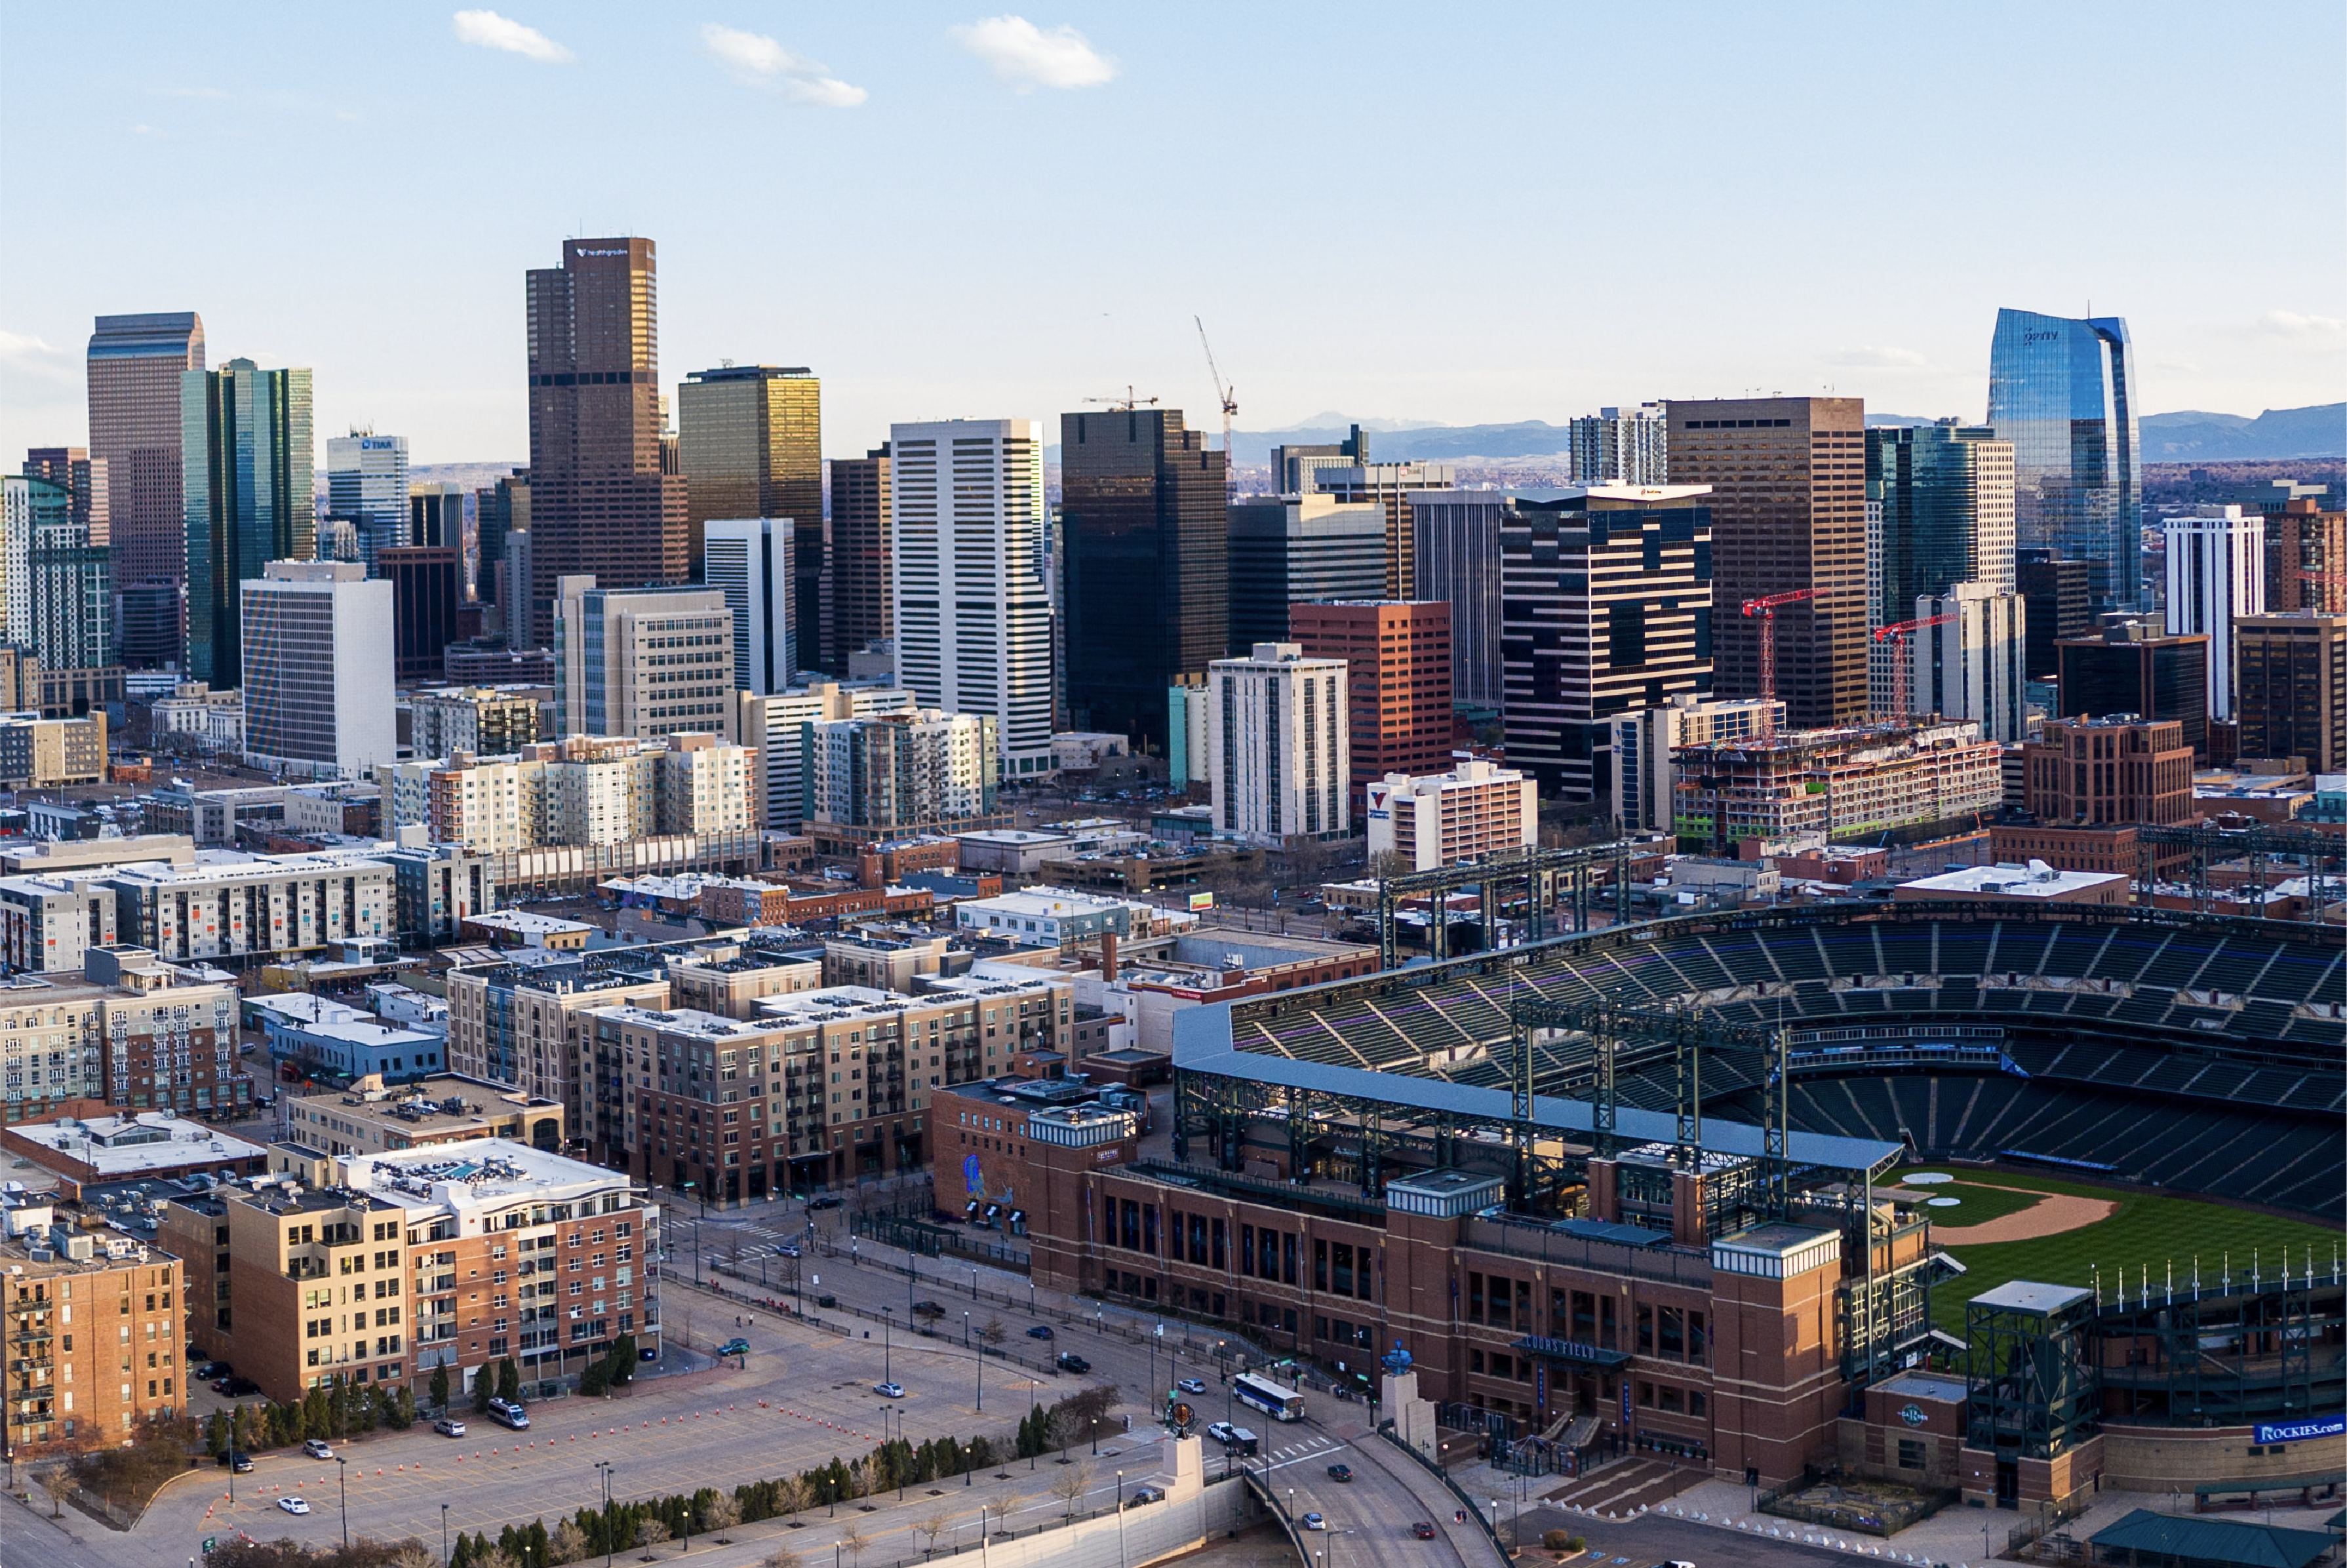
{"x": 1643, "y": 740}
{"x": 520, "y": 1024}
{"x": 731, "y": 979}
{"x": 383, "y": 1267}
{"x": 95, "y": 1343}
{"x": 129, "y": 1029}
{"x": 231, "y": 907}
{"x": 774, "y": 724}
{"x": 49, "y": 923}
{"x": 893, "y": 771}
{"x": 1830, "y": 782}
{"x": 583, "y": 789}
{"x": 486, "y": 720}
{"x": 1279, "y": 738}
{"x": 2109, "y": 770}
{"x": 1474, "y": 810}
{"x": 369, "y": 1118}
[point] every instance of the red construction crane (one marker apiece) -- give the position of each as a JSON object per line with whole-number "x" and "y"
{"x": 1902, "y": 655}
{"x": 1765, "y": 608}
{"x": 2328, "y": 580}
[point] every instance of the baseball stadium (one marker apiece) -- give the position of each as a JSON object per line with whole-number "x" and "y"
{"x": 2064, "y": 1185}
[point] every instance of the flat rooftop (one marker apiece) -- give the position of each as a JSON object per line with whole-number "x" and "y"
{"x": 471, "y": 1179}
{"x": 2035, "y": 880}
{"x": 118, "y": 1147}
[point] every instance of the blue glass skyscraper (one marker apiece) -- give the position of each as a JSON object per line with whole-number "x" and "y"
{"x": 2063, "y": 392}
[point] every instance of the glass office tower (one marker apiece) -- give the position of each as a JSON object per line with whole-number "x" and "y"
{"x": 247, "y": 465}
{"x": 2063, "y": 392}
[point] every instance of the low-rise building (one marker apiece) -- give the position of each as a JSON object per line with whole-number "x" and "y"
{"x": 372, "y": 1117}
{"x": 71, "y": 1392}
{"x": 2099, "y": 771}
{"x": 2036, "y": 883}
{"x": 148, "y": 1145}
{"x": 1474, "y": 810}
{"x": 382, "y": 1267}
{"x": 45, "y": 754}
{"x": 314, "y": 1037}
{"x": 1051, "y": 917}
{"x": 521, "y": 928}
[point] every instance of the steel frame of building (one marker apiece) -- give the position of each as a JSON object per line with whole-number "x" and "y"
{"x": 2325, "y": 854}
{"x": 1552, "y": 879}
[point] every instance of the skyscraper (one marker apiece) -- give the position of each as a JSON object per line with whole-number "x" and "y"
{"x": 248, "y": 473}
{"x": 435, "y": 516}
{"x": 499, "y": 512}
{"x": 59, "y": 594}
{"x": 135, "y": 365}
{"x": 427, "y": 585}
{"x": 641, "y": 661}
{"x": 317, "y": 670}
{"x": 2055, "y": 589}
{"x": 859, "y": 556}
{"x": 1146, "y": 535}
{"x": 599, "y": 504}
{"x": 749, "y": 560}
{"x": 2063, "y": 392}
{"x": 87, "y": 482}
{"x": 973, "y": 614}
{"x": 1284, "y": 549}
{"x": 1455, "y": 556}
{"x": 2293, "y": 687}
{"x": 1397, "y": 682}
{"x": 1787, "y": 506}
{"x": 751, "y": 441}
{"x": 2215, "y": 573}
{"x": 1611, "y": 447}
{"x": 1946, "y": 492}
{"x": 1390, "y": 486}
{"x": 1970, "y": 666}
{"x": 366, "y": 486}
{"x": 1276, "y": 734}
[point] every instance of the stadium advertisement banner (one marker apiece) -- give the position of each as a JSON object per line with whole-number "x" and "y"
{"x": 2330, "y": 1426}
{"x": 1201, "y": 902}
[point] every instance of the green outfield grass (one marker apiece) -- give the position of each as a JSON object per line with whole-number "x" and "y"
{"x": 2147, "y": 1231}
{"x": 1977, "y": 1202}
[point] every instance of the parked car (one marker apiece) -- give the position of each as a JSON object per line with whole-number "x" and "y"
{"x": 449, "y": 1427}
{"x": 316, "y": 1447}
{"x": 212, "y": 1369}
{"x": 648, "y": 1353}
{"x": 294, "y": 1504}
{"x": 1190, "y": 1386}
{"x": 235, "y": 1388}
{"x": 1340, "y": 1472}
{"x": 1314, "y": 1522}
{"x": 826, "y": 1301}
{"x": 240, "y": 1462}
{"x": 1145, "y": 1495}
{"x": 1041, "y": 1331}
{"x": 889, "y": 1390}
{"x": 737, "y": 1345}
{"x": 1423, "y": 1530}
{"x": 1068, "y": 1361}
{"x": 509, "y": 1415}
{"x": 825, "y": 1201}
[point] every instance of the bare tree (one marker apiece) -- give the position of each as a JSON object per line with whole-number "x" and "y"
{"x": 649, "y": 1533}
{"x": 565, "y": 1544}
{"x": 790, "y": 1496}
{"x": 932, "y": 1525}
{"x": 994, "y": 1333}
{"x": 722, "y": 1515}
{"x": 415, "y": 1554}
{"x": 854, "y": 1541}
{"x": 1070, "y": 1485}
{"x": 782, "y": 1557}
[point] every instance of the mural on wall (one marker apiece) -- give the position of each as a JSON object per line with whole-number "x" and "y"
{"x": 973, "y": 1184}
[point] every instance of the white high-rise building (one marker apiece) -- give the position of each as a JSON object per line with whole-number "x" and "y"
{"x": 366, "y": 483}
{"x": 2216, "y": 572}
{"x": 1614, "y": 447}
{"x": 774, "y": 722}
{"x": 972, "y": 613}
{"x": 1641, "y": 740}
{"x": 318, "y": 699}
{"x": 1975, "y": 665}
{"x": 1280, "y": 755}
{"x": 751, "y": 559}
{"x": 641, "y": 661}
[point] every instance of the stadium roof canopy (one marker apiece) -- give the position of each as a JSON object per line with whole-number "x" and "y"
{"x": 1202, "y": 1043}
{"x": 2232, "y": 1542}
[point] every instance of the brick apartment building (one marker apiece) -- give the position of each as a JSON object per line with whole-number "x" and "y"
{"x": 95, "y": 1343}
{"x": 2100, "y": 771}
{"x": 382, "y": 1267}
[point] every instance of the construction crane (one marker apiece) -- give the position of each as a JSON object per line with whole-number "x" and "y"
{"x": 1902, "y": 655}
{"x": 1229, "y": 396}
{"x": 1765, "y": 608}
{"x": 2329, "y": 579}
{"x": 1124, "y": 404}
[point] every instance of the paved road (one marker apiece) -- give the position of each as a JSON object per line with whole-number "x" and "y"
{"x": 1654, "y": 1539}
{"x": 1369, "y": 1517}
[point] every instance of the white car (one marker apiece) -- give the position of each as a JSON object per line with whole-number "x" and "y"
{"x": 294, "y": 1504}
{"x": 316, "y": 1449}
{"x": 1191, "y": 1385}
{"x": 1314, "y": 1522}
{"x": 889, "y": 1390}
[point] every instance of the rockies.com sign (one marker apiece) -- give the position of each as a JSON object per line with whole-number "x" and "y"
{"x": 2294, "y": 1431}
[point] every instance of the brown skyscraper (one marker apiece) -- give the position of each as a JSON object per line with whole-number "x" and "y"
{"x": 1788, "y": 477}
{"x": 135, "y": 364}
{"x": 859, "y": 555}
{"x": 599, "y": 501}
{"x": 1397, "y": 658}
{"x": 750, "y": 440}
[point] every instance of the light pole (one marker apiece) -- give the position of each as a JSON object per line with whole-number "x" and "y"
{"x": 443, "y": 1538}
{"x": 965, "y": 1331}
{"x": 606, "y": 1468}
{"x": 887, "y": 1319}
{"x": 1120, "y": 1519}
{"x": 978, "y": 1363}
{"x": 342, "y": 1476}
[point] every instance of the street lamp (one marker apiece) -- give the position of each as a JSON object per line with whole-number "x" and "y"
{"x": 342, "y": 1475}
{"x": 979, "y": 1362}
{"x": 1120, "y": 1519}
{"x": 965, "y": 1331}
{"x": 443, "y": 1538}
{"x": 887, "y": 1319}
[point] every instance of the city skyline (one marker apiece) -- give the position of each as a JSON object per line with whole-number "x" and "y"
{"x": 1902, "y": 318}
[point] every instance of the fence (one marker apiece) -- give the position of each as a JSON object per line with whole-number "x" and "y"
{"x": 932, "y": 1240}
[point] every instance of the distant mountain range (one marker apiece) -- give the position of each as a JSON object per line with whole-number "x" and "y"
{"x": 2276, "y": 434}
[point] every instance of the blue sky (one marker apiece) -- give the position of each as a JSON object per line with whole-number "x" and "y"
{"x": 1446, "y": 213}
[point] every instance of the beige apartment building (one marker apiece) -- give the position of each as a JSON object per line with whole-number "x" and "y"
{"x": 369, "y": 1118}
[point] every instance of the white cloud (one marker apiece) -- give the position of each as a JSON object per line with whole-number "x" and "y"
{"x": 1023, "y": 57}
{"x": 1868, "y": 356}
{"x": 491, "y": 31}
{"x": 760, "y": 61}
{"x": 28, "y": 355}
{"x": 2292, "y": 324}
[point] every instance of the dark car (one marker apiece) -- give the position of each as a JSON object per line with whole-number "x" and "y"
{"x": 1070, "y": 1361}
{"x": 240, "y": 1462}
{"x": 212, "y": 1369}
{"x": 1041, "y": 1331}
{"x": 928, "y": 1309}
{"x": 825, "y": 1202}
{"x": 648, "y": 1353}
{"x": 236, "y": 1387}
{"x": 1340, "y": 1472}
{"x": 1422, "y": 1530}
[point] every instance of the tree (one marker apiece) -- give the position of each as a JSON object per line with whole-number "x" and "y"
{"x": 720, "y": 1514}
{"x": 931, "y": 1526}
{"x": 994, "y": 1333}
{"x": 485, "y": 1384}
{"x": 402, "y": 1408}
{"x": 1070, "y": 1485}
{"x": 440, "y": 1387}
{"x": 623, "y": 1360}
{"x": 508, "y": 1380}
{"x": 854, "y": 1541}
{"x": 567, "y": 1543}
{"x": 216, "y": 1433}
{"x": 651, "y": 1533}
{"x": 790, "y": 1495}
{"x": 782, "y": 1557}
{"x": 414, "y": 1554}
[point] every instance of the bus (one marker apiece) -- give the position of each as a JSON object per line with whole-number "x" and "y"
{"x": 1280, "y": 1404}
